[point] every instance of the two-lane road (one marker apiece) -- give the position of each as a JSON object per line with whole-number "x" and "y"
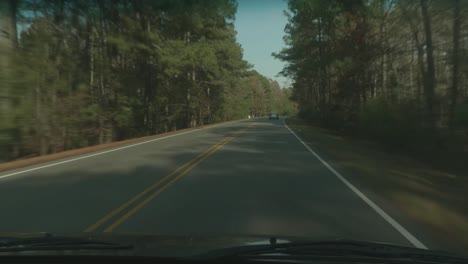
{"x": 248, "y": 177}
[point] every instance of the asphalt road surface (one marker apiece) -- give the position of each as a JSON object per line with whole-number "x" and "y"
{"x": 248, "y": 177}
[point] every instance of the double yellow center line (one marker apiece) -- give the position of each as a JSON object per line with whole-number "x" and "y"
{"x": 154, "y": 190}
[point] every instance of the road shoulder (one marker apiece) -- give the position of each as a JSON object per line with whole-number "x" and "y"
{"x": 429, "y": 203}
{"x": 23, "y": 163}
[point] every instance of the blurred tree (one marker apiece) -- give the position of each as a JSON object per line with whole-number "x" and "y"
{"x": 349, "y": 59}
{"x": 8, "y": 40}
{"x": 91, "y": 72}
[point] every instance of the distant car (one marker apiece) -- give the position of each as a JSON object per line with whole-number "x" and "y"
{"x": 273, "y": 115}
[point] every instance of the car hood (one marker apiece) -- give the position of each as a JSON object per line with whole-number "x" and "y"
{"x": 149, "y": 245}
{"x": 191, "y": 246}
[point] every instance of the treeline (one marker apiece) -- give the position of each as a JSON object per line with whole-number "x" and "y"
{"x": 392, "y": 70}
{"x": 82, "y": 73}
{"x": 257, "y": 96}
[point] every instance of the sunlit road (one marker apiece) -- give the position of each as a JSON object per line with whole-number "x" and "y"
{"x": 249, "y": 177}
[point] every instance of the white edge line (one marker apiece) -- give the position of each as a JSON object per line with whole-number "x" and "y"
{"x": 111, "y": 150}
{"x": 368, "y": 201}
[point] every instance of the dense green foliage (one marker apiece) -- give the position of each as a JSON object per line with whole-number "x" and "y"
{"x": 88, "y": 72}
{"x": 394, "y": 71}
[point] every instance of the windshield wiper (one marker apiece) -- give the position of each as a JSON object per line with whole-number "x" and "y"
{"x": 50, "y": 242}
{"x": 335, "y": 250}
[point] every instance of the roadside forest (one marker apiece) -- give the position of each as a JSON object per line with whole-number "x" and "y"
{"x": 81, "y": 73}
{"x": 394, "y": 71}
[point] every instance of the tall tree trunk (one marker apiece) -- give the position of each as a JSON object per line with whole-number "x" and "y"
{"x": 411, "y": 83}
{"x": 421, "y": 77}
{"x": 383, "y": 60}
{"x": 91, "y": 61}
{"x": 7, "y": 45}
{"x": 322, "y": 71}
{"x": 455, "y": 61}
{"x": 39, "y": 116}
{"x": 430, "y": 82}
{"x": 422, "y": 71}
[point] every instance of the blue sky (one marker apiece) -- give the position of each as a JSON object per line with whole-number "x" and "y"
{"x": 260, "y": 30}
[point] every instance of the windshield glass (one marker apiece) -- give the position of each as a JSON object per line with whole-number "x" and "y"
{"x": 231, "y": 122}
